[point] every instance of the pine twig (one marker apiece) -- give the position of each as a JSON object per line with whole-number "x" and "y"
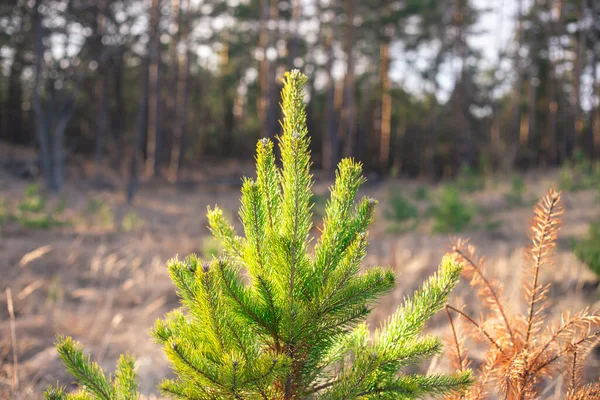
{"x": 492, "y": 292}
{"x": 476, "y": 325}
{"x": 457, "y": 346}
{"x": 544, "y": 233}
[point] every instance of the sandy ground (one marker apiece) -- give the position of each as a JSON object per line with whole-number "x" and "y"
{"x": 105, "y": 286}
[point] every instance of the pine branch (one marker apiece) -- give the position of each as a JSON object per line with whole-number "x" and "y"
{"x": 267, "y": 178}
{"x": 545, "y": 226}
{"x": 96, "y": 385}
{"x": 83, "y": 369}
{"x": 55, "y": 393}
{"x": 479, "y": 327}
{"x": 125, "y": 379}
{"x": 337, "y": 234}
{"x": 410, "y": 318}
{"x": 489, "y": 292}
{"x": 459, "y": 360}
{"x": 224, "y": 232}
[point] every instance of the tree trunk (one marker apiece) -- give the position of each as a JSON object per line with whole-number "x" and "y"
{"x": 42, "y": 123}
{"x": 58, "y": 151}
{"x": 514, "y": 138}
{"x": 182, "y": 96}
{"x": 549, "y": 141}
{"x": 386, "y": 105}
{"x": 348, "y": 121}
{"x": 264, "y": 70}
{"x": 153, "y": 136}
{"x": 173, "y": 68}
{"x": 273, "y": 110}
{"x": 101, "y": 121}
{"x": 140, "y": 129}
{"x": 577, "y": 71}
{"x": 15, "y": 99}
{"x": 330, "y": 143}
{"x": 595, "y": 111}
{"x": 292, "y": 42}
{"x": 117, "y": 112}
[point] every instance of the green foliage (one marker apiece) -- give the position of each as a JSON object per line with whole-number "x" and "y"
{"x": 517, "y": 190}
{"x": 98, "y": 213}
{"x": 469, "y": 180}
{"x": 401, "y": 211}
{"x": 579, "y": 174}
{"x": 60, "y": 206}
{"x": 422, "y": 193}
{"x": 32, "y": 210}
{"x": 33, "y": 201}
{"x": 4, "y": 215}
{"x": 131, "y": 222}
{"x": 492, "y": 224}
{"x": 95, "y": 384}
{"x": 587, "y": 250}
{"x": 451, "y": 214}
{"x": 271, "y": 319}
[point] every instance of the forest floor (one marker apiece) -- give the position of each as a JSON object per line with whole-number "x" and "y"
{"x": 102, "y": 277}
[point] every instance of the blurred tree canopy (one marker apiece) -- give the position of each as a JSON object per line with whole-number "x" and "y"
{"x": 150, "y": 87}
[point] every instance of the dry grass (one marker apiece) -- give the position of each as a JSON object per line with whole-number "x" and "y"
{"x": 105, "y": 287}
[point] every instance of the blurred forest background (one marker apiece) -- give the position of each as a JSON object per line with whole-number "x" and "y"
{"x": 488, "y": 103}
{"x": 149, "y": 88}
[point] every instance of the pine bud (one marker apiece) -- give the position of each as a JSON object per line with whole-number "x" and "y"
{"x": 205, "y": 266}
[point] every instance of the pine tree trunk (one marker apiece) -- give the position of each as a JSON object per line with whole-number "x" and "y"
{"x": 182, "y": 97}
{"x": 292, "y": 42}
{"x": 140, "y": 130}
{"x": 153, "y": 91}
{"x": 331, "y": 141}
{"x": 577, "y": 72}
{"x": 101, "y": 120}
{"x": 264, "y": 70}
{"x": 100, "y": 93}
{"x": 15, "y": 99}
{"x": 172, "y": 72}
{"x": 42, "y": 122}
{"x": 386, "y": 105}
{"x": 273, "y": 103}
{"x": 595, "y": 112}
{"x": 58, "y": 150}
{"x": 348, "y": 125}
{"x": 549, "y": 137}
{"x": 118, "y": 109}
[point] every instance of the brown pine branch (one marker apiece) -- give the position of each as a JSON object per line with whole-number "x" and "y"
{"x": 545, "y": 226}
{"x": 486, "y": 290}
{"x": 459, "y": 362}
{"x": 515, "y": 363}
{"x": 476, "y": 325}
{"x": 568, "y": 349}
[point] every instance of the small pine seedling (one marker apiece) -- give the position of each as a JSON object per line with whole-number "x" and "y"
{"x": 272, "y": 320}
{"x": 402, "y": 213}
{"x": 524, "y": 349}
{"x": 517, "y": 190}
{"x": 451, "y": 214}
{"x": 470, "y": 180}
{"x": 587, "y": 249}
{"x": 95, "y": 384}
